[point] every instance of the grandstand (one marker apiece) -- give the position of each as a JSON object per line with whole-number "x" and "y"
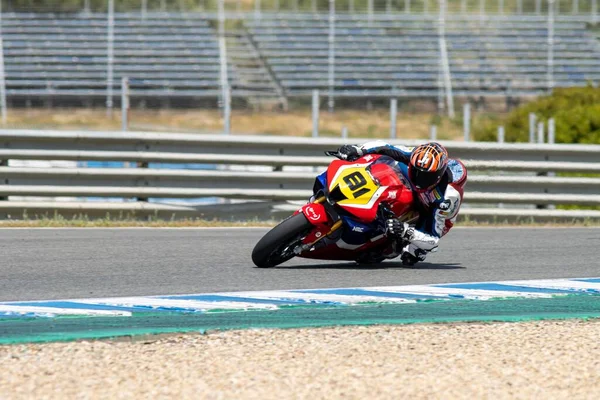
{"x": 56, "y": 56}
{"x": 400, "y": 56}
{"x": 61, "y": 57}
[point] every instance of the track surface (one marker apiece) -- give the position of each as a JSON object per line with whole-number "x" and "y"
{"x": 44, "y": 264}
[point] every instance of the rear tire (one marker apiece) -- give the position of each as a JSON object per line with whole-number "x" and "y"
{"x": 276, "y": 246}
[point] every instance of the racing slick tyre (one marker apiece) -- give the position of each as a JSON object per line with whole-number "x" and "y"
{"x": 277, "y": 246}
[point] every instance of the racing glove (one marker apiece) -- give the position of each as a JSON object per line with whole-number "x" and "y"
{"x": 349, "y": 152}
{"x": 397, "y": 229}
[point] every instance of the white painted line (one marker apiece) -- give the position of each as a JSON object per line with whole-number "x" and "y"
{"x": 317, "y": 298}
{"x": 191, "y": 305}
{"x": 564, "y": 284}
{"x": 22, "y": 310}
{"x": 474, "y": 294}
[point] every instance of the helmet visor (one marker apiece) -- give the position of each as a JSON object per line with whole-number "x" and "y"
{"x": 424, "y": 180}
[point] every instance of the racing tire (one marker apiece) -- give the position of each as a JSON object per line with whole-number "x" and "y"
{"x": 277, "y": 245}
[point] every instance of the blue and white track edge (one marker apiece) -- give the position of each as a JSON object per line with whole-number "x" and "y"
{"x": 274, "y": 299}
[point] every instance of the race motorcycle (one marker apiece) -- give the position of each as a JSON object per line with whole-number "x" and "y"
{"x": 345, "y": 218}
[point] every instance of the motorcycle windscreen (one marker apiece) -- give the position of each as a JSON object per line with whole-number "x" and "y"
{"x": 399, "y": 196}
{"x": 386, "y": 172}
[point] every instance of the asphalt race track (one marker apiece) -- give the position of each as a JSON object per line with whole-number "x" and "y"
{"x": 45, "y": 264}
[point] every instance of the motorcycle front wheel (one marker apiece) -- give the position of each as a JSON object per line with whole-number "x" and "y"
{"x": 277, "y": 246}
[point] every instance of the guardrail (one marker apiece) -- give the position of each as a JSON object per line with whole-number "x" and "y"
{"x": 516, "y": 175}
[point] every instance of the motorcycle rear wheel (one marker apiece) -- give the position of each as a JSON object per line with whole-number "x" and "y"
{"x": 277, "y": 246}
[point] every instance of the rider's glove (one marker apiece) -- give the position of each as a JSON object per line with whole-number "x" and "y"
{"x": 411, "y": 255}
{"x": 398, "y": 229}
{"x": 349, "y": 152}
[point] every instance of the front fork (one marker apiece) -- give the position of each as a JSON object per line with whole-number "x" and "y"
{"x": 317, "y": 215}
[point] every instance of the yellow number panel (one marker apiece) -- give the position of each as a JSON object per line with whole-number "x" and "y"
{"x": 356, "y": 184}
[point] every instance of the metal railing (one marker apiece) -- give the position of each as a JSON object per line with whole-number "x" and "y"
{"x": 265, "y": 170}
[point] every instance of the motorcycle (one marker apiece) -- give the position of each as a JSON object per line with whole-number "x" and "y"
{"x": 345, "y": 217}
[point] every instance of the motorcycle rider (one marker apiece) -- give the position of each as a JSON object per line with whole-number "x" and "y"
{"x": 438, "y": 182}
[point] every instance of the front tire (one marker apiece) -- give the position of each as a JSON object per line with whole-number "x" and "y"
{"x": 277, "y": 246}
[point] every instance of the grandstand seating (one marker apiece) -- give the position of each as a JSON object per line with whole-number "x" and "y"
{"x": 283, "y": 55}
{"x": 400, "y": 55}
{"x": 164, "y": 55}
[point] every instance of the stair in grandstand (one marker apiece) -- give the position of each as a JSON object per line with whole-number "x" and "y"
{"x": 253, "y": 74}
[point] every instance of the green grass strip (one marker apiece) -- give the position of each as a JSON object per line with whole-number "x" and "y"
{"x": 30, "y": 330}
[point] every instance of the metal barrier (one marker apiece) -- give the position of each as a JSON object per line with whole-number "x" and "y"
{"x": 511, "y": 174}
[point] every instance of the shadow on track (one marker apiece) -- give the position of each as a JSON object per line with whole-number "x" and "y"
{"x": 384, "y": 265}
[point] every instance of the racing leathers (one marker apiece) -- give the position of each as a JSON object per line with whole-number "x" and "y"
{"x": 437, "y": 207}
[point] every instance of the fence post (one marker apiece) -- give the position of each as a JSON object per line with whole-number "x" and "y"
{"x": 594, "y": 11}
{"x": 532, "y": 119}
{"x": 500, "y": 134}
{"x": 256, "y": 9}
{"x": 551, "y": 140}
{"x": 540, "y": 139}
{"x": 124, "y": 103}
{"x": 500, "y": 7}
{"x": 550, "y": 67}
{"x": 433, "y": 132}
{"x": 519, "y": 7}
{"x": 144, "y": 8}
{"x": 109, "y": 56}
{"x": 331, "y": 42}
{"x": 551, "y": 131}
{"x": 444, "y": 59}
{"x": 225, "y": 89}
{"x": 315, "y": 113}
{"x": 538, "y": 6}
{"x": 345, "y": 134}
{"x": 467, "y": 121}
{"x": 227, "y": 110}
{"x": 313, "y": 6}
{"x": 575, "y": 7}
{"x": 2, "y": 76}
{"x": 393, "y": 113}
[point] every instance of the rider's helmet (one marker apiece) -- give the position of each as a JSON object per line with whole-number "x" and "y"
{"x": 427, "y": 166}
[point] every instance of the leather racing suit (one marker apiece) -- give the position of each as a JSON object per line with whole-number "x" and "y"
{"x": 437, "y": 207}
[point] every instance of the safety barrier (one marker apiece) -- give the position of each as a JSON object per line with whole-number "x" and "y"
{"x": 515, "y": 180}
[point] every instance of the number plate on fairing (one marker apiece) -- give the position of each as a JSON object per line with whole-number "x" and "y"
{"x": 356, "y": 184}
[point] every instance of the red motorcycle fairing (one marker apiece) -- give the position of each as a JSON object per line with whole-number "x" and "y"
{"x": 364, "y": 193}
{"x": 316, "y": 214}
{"x": 329, "y": 250}
{"x": 367, "y": 182}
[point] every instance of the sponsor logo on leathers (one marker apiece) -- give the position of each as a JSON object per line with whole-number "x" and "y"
{"x": 445, "y": 205}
